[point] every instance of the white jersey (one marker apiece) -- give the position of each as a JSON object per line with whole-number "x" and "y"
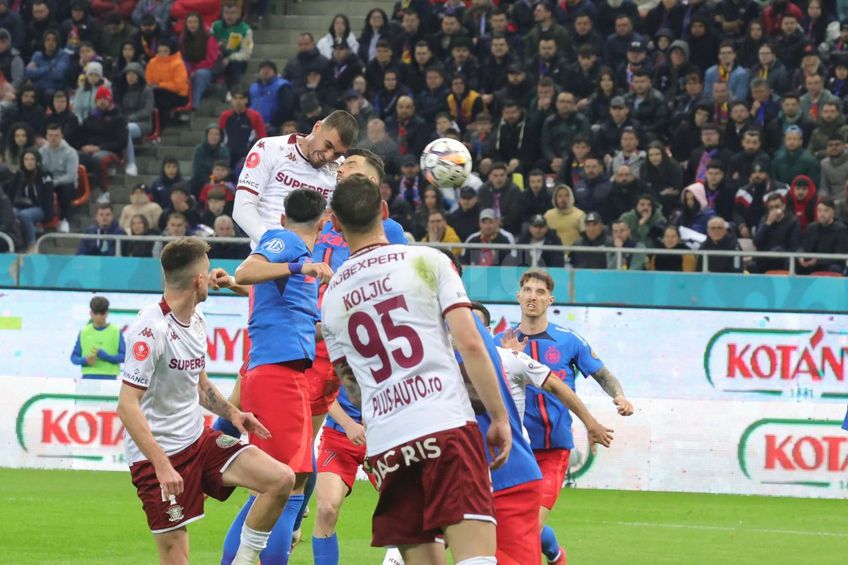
{"x": 383, "y": 313}
{"x": 522, "y": 370}
{"x": 165, "y": 359}
{"x": 273, "y": 168}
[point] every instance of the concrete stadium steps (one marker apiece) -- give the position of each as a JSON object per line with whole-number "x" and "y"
{"x": 275, "y": 40}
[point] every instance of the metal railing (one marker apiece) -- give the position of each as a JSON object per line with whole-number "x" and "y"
{"x": 5, "y": 237}
{"x": 535, "y": 250}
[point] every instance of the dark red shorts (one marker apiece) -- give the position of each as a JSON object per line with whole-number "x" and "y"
{"x": 429, "y": 483}
{"x": 323, "y": 384}
{"x": 554, "y": 465}
{"x": 339, "y": 456}
{"x": 279, "y": 396}
{"x": 201, "y": 465}
{"x": 517, "y": 511}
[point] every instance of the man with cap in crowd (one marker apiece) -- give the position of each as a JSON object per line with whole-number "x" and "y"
{"x": 608, "y": 136}
{"x": 637, "y": 60}
{"x": 100, "y": 346}
{"x": 538, "y": 233}
{"x": 271, "y": 95}
{"x": 465, "y": 220}
{"x": 345, "y": 67}
{"x": 750, "y": 205}
{"x": 490, "y": 232}
{"x": 105, "y": 135}
{"x": 594, "y": 235}
{"x": 358, "y": 107}
{"x": 518, "y": 87}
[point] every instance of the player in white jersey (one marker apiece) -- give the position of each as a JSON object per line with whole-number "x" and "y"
{"x": 174, "y": 459}
{"x": 277, "y": 165}
{"x": 383, "y": 319}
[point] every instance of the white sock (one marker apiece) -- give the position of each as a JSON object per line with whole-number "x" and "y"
{"x": 252, "y": 544}
{"x": 479, "y": 561}
{"x": 393, "y": 557}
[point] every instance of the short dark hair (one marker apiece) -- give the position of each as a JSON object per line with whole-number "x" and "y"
{"x": 345, "y": 124}
{"x": 539, "y": 275}
{"x": 774, "y": 195}
{"x": 792, "y": 95}
{"x": 103, "y": 206}
{"x": 422, "y": 43}
{"x": 99, "y": 305}
{"x": 305, "y": 206}
{"x": 828, "y": 202}
{"x": 357, "y": 203}
{"x": 480, "y": 307}
{"x": 178, "y": 256}
{"x": 383, "y": 43}
{"x": 715, "y": 164}
{"x": 371, "y": 159}
{"x": 641, "y": 73}
{"x": 499, "y": 165}
{"x": 221, "y": 163}
{"x": 53, "y": 126}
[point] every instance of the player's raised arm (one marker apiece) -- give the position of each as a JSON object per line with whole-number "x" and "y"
{"x": 251, "y": 184}
{"x": 612, "y": 387}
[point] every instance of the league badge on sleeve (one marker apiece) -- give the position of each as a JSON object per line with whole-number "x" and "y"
{"x": 141, "y": 351}
{"x": 275, "y": 245}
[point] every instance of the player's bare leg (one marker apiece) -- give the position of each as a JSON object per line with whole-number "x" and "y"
{"x": 424, "y": 554}
{"x": 173, "y": 547}
{"x": 471, "y": 539}
{"x": 330, "y": 494}
{"x": 273, "y": 481}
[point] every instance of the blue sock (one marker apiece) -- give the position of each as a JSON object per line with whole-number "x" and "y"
{"x": 233, "y": 539}
{"x": 226, "y": 427}
{"x": 307, "y": 493}
{"x": 279, "y": 544}
{"x": 325, "y": 551}
{"x": 550, "y": 545}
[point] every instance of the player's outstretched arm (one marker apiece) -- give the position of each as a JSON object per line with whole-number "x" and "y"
{"x": 129, "y": 411}
{"x": 246, "y": 215}
{"x": 598, "y": 433}
{"x": 257, "y": 269}
{"x": 612, "y": 387}
{"x": 345, "y": 374}
{"x": 219, "y": 278}
{"x": 212, "y": 399}
{"x": 481, "y": 372}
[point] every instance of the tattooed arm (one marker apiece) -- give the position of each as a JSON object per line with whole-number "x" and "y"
{"x": 212, "y": 399}
{"x": 345, "y": 374}
{"x": 612, "y": 387}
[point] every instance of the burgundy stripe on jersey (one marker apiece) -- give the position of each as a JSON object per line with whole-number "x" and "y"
{"x": 250, "y": 190}
{"x": 543, "y": 410}
{"x": 457, "y": 305}
{"x": 134, "y": 385}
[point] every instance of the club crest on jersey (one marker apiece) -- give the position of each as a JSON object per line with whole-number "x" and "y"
{"x": 252, "y": 160}
{"x": 291, "y": 156}
{"x": 224, "y": 441}
{"x": 552, "y": 355}
{"x": 141, "y": 351}
{"x": 175, "y": 513}
{"x": 275, "y": 245}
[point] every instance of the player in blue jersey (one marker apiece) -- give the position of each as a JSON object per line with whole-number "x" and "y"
{"x": 281, "y": 327}
{"x": 546, "y": 419}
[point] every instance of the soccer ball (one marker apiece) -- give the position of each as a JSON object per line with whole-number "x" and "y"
{"x": 446, "y": 163}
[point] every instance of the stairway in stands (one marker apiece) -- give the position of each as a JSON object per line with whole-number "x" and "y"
{"x": 275, "y": 40}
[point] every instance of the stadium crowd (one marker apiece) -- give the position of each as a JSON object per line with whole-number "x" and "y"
{"x": 709, "y": 124}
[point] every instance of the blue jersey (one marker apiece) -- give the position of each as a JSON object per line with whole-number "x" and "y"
{"x": 845, "y": 422}
{"x": 332, "y": 249}
{"x": 521, "y": 467}
{"x": 283, "y": 312}
{"x": 349, "y": 409}
{"x": 547, "y": 421}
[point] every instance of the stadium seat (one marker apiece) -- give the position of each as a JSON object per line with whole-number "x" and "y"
{"x": 187, "y": 107}
{"x": 825, "y": 274}
{"x": 155, "y": 135}
{"x": 83, "y": 187}
{"x": 777, "y": 272}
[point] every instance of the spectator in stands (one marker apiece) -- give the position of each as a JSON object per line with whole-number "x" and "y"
{"x": 159, "y": 9}
{"x": 135, "y": 101}
{"x": 450, "y": 29}
{"x": 546, "y": 26}
{"x": 815, "y": 98}
{"x": 201, "y": 54}
{"x": 597, "y": 106}
{"x": 104, "y": 224}
{"x": 672, "y": 76}
{"x": 727, "y": 70}
{"x": 792, "y": 159}
{"x": 81, "y": 25}
{"x": 346, "y": 65}
{"x": 9, "y": 224}
{"x": 564, "y": 218}
{"x": 765, "y": 106}
{"x": 834, "y": 167}
{"x": 465, "y": 219}
{"x": 740, "y": 122}
{"x": 225, "y": 227}
{"x": 645, "y": 221}
{"x": 431, "y": 200}
{"x": 489, "y": 232}
{"x": 212, "y": 148}
{"x": 438, "y": 230}
{"x": 216, "y": 205}
{"x": 560, "y": 129}
{"x": 11, "y": 63}
{"x": 594, "y": 235}
{"x": 409, "y": 130}
{"x": 271, "y": 96}
{"x": 387, "y": 97}
{"x": 678, "y": 263}
{"x": 207, "y": 11}
{"x": 770, "y": 68}
{"x": 463, "y": 63}
{"x": 105, "y": 136}
{"x": 739, "y": 167}
{"x": 221, "y": 178}
{"x": 626, "y": 188}
{"x": 31, "y": 194}
{"x": 827, "y": 235}
{"x": 537, "y": 198}
{"x": 139, "y": 226}
{"x": 61, "y": 161}
{"x": 176, "y": 226}
{"x": 696, "y": 209}
{"x": 500, "y": 194}
{"x": 21, "y": 138}
{"x": 167, "y": 75}
{"x": 662, "y": 175}
{"x": 546, "y": 62}
{"x": 235, "y": 39}
{"x": 48, "y": 69}
{"x": 719, "y": 194}
{"x": 183, "y": 202}
{"x": 39, "y": 23}
{"x": 637, "y": 60}
{"x": 129, "y": 54}
{"x": 116, "y": 33}
{"x": 622, "y": 239}
{"x": 719, "y": 238}
{"x": 593, "y": 188}
{"x": 308, "y": 57}
{"x": 749, "y": 206}
{"x": 495, "y": 65}
{"x": 12, "y": 22}
{"x": 339, "y": 31}
{"x": 831, "y": 122}
{"x": 378, "y": 141}
{"x": 519, "y": 87}
{"x": 169, "y": 175}
{"x": 629, "y": 154}
{"x": 791, "y": 42}
{"x": 801, "y": 200}
{"x": 608, "y": 133}
{"x": 511, "y": 141}
{"x": 778, "y": 231}
{"x": 139, "y": 204}
{"x": 241, "y": 127}
{"x": 84, "y": 97}
{"x": 463, "y": 103}
{"x": 789, "y": 115}
{"x": 359, "y": 108}
{"x": 581, "y": 76}
{"x": 376, "y": 28}
{"x": 538, "y": 233}
{"x": 710, "y": 149}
